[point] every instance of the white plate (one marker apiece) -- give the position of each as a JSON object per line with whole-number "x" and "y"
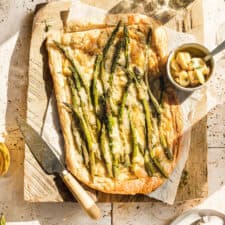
{"x": 189, "y": 217}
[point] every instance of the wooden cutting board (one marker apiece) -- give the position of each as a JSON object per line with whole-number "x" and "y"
{"x": 39, "y": 187}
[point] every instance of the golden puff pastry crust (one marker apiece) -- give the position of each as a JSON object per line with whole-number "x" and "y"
{"x": 86, "y": 41}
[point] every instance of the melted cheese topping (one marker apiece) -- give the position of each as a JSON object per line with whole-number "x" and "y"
{"x": 84, "y": 46}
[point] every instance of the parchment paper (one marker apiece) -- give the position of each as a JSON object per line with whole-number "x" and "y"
{"x": 190, "y": 104}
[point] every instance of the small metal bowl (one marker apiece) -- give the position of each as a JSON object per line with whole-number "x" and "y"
{"x": 197, "y": 50}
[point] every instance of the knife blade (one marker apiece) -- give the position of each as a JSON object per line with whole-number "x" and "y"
{"x": 51, "y": 164}
{"x": 40, "y": 149}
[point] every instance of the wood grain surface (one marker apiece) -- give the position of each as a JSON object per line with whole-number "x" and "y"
{"x": 39, "y": 187}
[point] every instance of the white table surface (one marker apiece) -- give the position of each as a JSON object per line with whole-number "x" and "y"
{"x": 15, "y": 25}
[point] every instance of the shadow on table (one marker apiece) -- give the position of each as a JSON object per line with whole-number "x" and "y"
{"x": 160, "y": 10}
{"x": 16, "y": 106}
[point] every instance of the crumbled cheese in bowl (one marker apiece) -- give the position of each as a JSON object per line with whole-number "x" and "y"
{"x": 188, "y": 70}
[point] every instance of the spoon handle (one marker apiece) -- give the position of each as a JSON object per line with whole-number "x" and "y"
{"x": 216, "y": 50}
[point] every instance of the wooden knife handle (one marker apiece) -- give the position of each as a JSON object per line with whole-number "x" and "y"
{"x": 81, "y": 195}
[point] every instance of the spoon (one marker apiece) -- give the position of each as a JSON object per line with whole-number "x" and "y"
{"x": 215, "y": 51}
{"x": 215, "y": 220}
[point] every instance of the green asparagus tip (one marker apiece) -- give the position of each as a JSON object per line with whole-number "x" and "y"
{"x": 160, "y": 167}
{"x": 111, "y": 39}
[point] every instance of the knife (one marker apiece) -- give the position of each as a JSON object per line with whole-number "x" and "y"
{"x": 51, "y": 164}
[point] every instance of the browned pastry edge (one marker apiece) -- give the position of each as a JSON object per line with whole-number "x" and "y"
{"x": 133, "y": 186}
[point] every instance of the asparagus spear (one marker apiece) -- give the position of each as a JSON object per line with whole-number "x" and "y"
{"x": 141, "y": 149}
{"x": 149, "y": 126}
{"x": 102, "y": 76}
{"x": 106, "y": 154}
{"x": 160, "y": 168}
{"x": 124, "y": 99}
{"x": 73, "y": 67}
{"x": 110, "y": 121}
{"x": 148, "y": 122}
{"x": 76, "y": 78}
{"x": 167, "y": 150}
{"x": 126, "y": 46}
{"x": 116, "y": 55}
{"x": 127, "y": 159}
{"x": 126, "y": 156}
{"x": 131, "y": 76}
{"x": 148, "y": 164}
{"x": 68, "y": 57}
{"x": 116, "y": 156}
{"x": 152, "y": 152}
{"x": 76, "y": 136}
{"x": 87, "y": 134}
{"x": 73, "y": 91}
{"x": 115, "y": 163}
{"x": 81, "y": 147}
{"x": 154, "y": 101}
{"x": 85, "y": 155}
{"x": 115, "y": 59}
{"x": 94, "y": 89}
{"x": 158, "y": 165}
{"x": 116, "y": 170}
{"x": 149, "y": 129}
{"x": 149, "y": 137}
{"x": 110, "y": 40}
{"x": 135, "y": 148}
{"x": 76, "y": 92}
{"x": 142, "y": 97}
{"x": 148, "y": 41}
{"x": 126, "y": 41}
{"x": 165, "y": 146}
{"x": 149, "y": 37}
{"x": 94, "y": 82}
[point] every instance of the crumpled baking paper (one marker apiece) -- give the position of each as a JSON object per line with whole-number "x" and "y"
{"x": 189, "y": 103}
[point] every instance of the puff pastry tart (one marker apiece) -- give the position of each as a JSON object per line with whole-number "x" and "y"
{"x": 120, "y": 119}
